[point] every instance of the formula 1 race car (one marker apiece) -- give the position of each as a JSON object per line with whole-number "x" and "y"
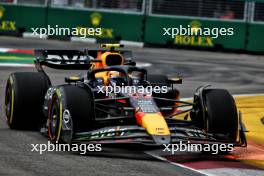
{"x": 81, "y": 111}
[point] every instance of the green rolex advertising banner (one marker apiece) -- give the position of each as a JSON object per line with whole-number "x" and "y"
{"x": 241, "y": 33}
{"x": 17, "y": 18}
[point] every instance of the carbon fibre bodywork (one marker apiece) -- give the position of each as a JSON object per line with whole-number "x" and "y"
{"x": 126, "y": 117}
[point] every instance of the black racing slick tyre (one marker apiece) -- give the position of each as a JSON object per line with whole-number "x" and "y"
{"x": 70, "y": 111}
{"x": 24, "y": 97}
{"x": 221, "y": 113}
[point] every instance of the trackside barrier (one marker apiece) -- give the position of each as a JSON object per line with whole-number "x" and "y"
{"x": 145, "y": 23}
{"x": 255, "y": 37}
{"x": 200, "y": 14}
{"x": 115, "y": 25}
{"x": 16, "y": 19}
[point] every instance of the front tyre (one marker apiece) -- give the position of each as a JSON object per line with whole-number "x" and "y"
{"x": 221, "y": 113}
{"x": 70, "y": 111}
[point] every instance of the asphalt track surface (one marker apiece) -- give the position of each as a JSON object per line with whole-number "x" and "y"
{"x": 239, "y": 73}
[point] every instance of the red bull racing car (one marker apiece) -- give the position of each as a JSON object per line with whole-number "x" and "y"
{"x": 80, "y": 111}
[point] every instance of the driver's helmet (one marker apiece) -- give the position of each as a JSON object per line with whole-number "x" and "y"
{"x": 116, "y": 78}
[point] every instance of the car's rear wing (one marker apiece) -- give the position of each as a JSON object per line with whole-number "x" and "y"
{"x": 73, "y": 59}
{"x": 63, "y": 59}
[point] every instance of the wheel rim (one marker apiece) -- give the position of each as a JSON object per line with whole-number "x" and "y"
{"x": 54, "y": 120}
{"x": 8, "y": 104}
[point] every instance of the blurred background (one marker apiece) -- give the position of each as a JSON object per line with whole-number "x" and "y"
{"x": 142, "y": 21}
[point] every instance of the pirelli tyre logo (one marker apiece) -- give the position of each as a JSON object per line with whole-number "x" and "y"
{"x": 6, "y": 25}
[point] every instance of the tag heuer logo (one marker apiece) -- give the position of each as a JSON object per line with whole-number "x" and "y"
{"x": 96, "y": 19}
{"x": 2, "y": 11}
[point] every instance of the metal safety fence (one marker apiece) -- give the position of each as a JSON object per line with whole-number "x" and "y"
{"x": 259, "y": 12}
{"x": 135, "y": 20}
{"x": 114, "y": 5}
{"x": 122, "y": 5}
{"x": 220, "y": 9}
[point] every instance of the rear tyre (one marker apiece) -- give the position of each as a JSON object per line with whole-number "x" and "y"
{"x": 70, "y": 111}
{"x": 24, "y": 97}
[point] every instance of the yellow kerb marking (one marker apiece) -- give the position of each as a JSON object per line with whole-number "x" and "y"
{"x": 252, "y": 108}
